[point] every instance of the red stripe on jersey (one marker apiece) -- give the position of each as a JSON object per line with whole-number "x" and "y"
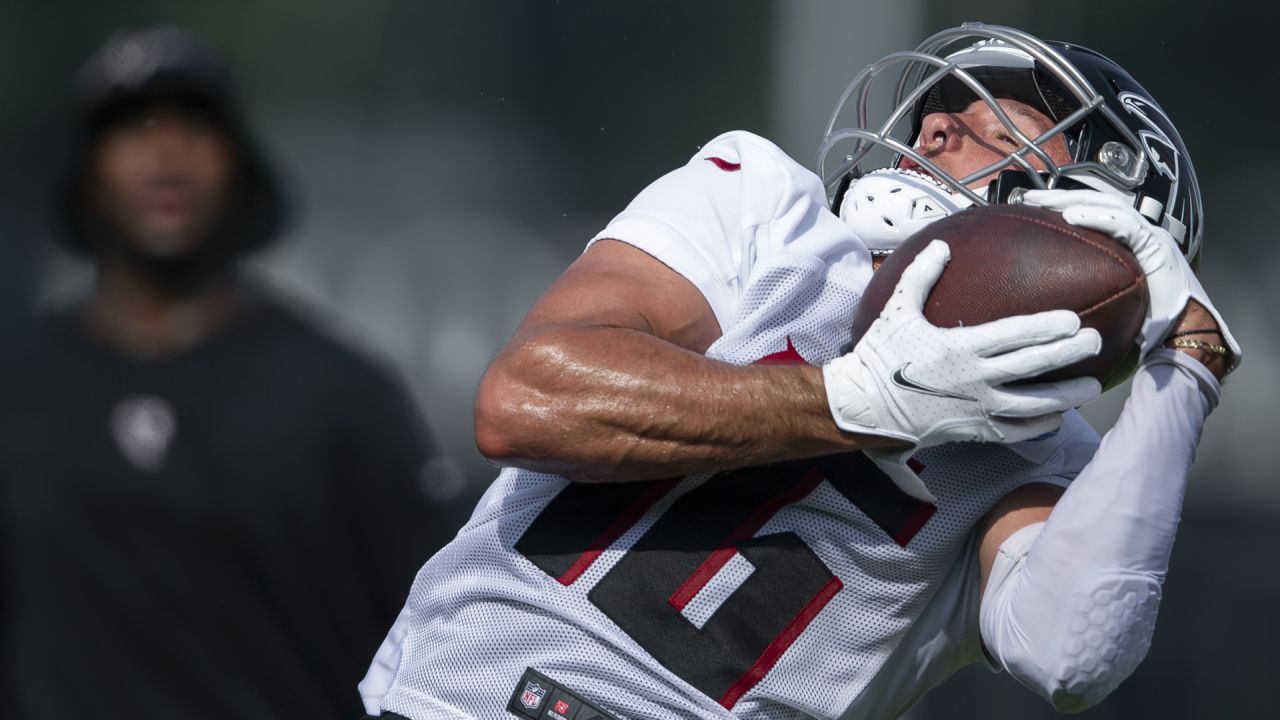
{"x": 913, "y": 523}
{"x": 629, "y": 517}
{"x": 783, "y": 357}
{"x": 769, "y": 657}
{"x": 749, "y": 527}
{"x": 725, "y": 165}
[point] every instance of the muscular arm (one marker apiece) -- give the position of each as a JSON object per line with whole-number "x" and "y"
{"x": 605, "y": 380}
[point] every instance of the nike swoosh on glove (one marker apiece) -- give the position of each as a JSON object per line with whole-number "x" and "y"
{"x": 952, "y": 382}
{"x": 911, "y": 380}
{"x": 1170, "y": 280}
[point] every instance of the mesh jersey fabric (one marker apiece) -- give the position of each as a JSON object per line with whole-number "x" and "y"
{"x": 805, "y": 589}
{"x": 737, "y": 202}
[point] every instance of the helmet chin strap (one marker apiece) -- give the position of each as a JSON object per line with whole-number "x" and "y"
{"x": 885, "y": 207}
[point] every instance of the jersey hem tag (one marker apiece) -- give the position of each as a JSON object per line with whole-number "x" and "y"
{"x": 537, "y": 697}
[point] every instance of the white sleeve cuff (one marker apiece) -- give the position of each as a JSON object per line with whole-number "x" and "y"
{"x": 668, "y": 246}
{"x": 1209, "y": 384}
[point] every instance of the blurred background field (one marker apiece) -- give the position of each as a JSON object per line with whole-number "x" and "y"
{"x": 447, "y": 160}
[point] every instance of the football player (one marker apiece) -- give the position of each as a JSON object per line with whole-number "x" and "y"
{"x": 755, "y": 564}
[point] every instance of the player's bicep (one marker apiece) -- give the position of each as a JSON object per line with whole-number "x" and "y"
{"x": 1026, "y": 505}
{"x": 614, "y": 284}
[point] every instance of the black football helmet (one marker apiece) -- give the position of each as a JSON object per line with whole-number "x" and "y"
{"x": 1119, "y": 139}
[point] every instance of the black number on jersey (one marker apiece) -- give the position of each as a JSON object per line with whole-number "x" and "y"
{"x": 653, "y": 592}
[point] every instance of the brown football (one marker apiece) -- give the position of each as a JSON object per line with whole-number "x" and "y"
{"x": 1015, "y": 260}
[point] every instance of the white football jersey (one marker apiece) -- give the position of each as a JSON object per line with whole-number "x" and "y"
{"x": 806, "y": 588}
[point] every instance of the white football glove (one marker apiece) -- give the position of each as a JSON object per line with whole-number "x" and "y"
{"x": 1170, "y": 280}
{"x": 914, "y": 381}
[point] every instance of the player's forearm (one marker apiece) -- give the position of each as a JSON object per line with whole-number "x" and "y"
{"x": 1124, "y": 507}
{"x": 1070, "y": 612}
{"x": 602, "y": 404}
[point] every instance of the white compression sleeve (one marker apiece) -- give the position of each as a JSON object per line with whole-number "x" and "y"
{"x": 1070, "y": 604}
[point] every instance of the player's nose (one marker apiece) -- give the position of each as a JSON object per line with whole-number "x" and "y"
{"x": 938, "y": 132}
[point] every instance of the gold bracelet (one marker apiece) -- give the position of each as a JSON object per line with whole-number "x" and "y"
{"x": 1183, "y": 342}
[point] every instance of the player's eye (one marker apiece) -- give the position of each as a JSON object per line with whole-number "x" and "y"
{"x": 1007, "y": 138}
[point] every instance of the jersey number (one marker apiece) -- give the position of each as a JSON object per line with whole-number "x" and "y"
{"x": 667, "y": 591}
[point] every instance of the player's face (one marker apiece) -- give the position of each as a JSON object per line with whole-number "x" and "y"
{"x": 964, "y": 142}
{"x": 161, "y": 177}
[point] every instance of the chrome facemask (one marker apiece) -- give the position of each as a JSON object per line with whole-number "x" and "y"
{"x": 1117, "y": 166}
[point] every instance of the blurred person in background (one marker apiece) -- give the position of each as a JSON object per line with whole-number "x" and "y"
{"x": 210, "y": 508}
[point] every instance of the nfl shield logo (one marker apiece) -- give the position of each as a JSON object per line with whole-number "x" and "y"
{"x": 532, "y": 695}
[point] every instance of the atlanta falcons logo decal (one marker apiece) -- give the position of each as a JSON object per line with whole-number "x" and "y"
{"x": 1161, "y": 151}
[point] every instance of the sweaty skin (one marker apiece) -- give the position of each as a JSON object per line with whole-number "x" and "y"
{"x": 605, "y": 379}
{"x": 965, "y": 142}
